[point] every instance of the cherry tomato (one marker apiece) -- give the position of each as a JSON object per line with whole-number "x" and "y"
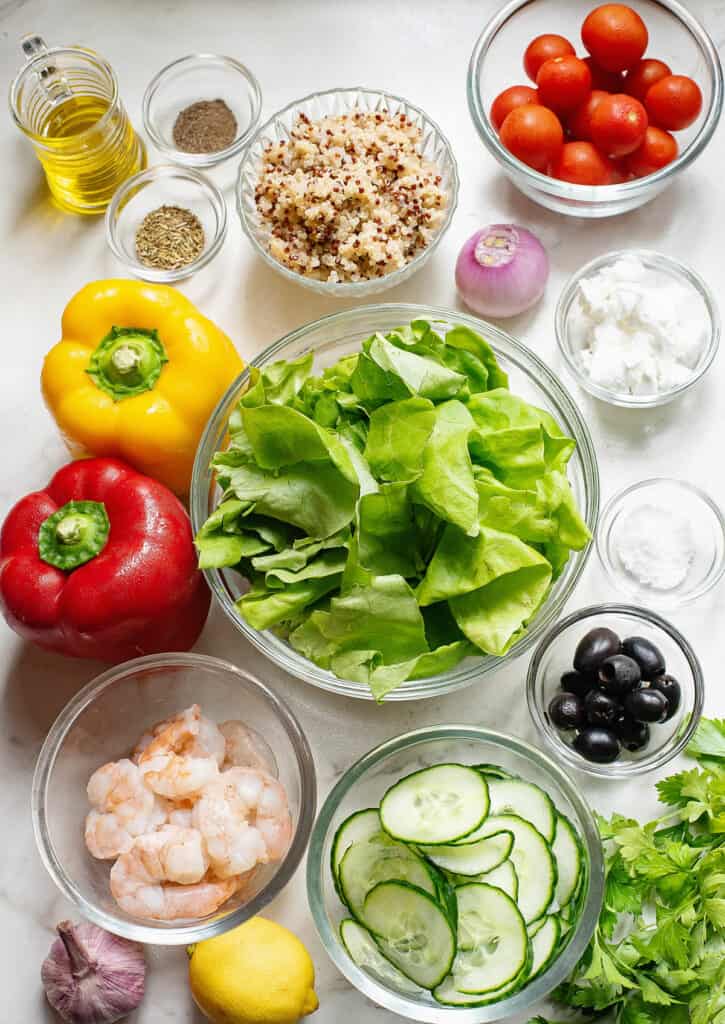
{"x": 508, "y": 100}
{"x": 563, "y": 83}
{"x": 579, "y": 122}
{"x": 674, "y": 102}
{"x": 644, "y": 75}
{"x": 545, "y": 48}
{"x": 618, "y": 125}
{"x": 582, "y": 164}
{"x": 615, "y": 35}
{"x": 533, "y": 134}
{"x": 607, "y": 81}
{"x": 658, "y": 149}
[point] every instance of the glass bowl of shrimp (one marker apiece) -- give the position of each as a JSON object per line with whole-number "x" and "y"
{"x": 173, "y": 798}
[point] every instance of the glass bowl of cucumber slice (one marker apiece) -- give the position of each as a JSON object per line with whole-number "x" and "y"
{"x": 455, "y": 873}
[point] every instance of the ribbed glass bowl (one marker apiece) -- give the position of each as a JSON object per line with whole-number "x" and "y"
{"x": 668, "y": 269}
{"x": 102, "y": 723}
{"x": 334, "y": 102}
{"x": 555, "y": 655}
{"x": 340, "y": 334}
{"x": 675, "y": 36}
{"x": 364, "y": 784}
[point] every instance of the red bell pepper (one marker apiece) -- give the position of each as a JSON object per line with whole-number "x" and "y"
{"x": 101, "y": 564}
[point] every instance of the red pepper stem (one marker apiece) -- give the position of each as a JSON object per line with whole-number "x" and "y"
{"x": 74, "y": 534}
{"x": 80, "y": 962}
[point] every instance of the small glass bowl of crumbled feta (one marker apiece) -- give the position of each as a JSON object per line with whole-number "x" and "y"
{"x": 637, "y": 328}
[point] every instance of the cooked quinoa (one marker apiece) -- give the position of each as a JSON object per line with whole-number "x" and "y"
{"x": 349, "y": 197}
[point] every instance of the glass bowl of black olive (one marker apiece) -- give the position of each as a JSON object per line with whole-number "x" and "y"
{"x": 615, "y": 690}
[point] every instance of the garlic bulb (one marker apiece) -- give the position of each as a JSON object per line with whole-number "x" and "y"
{"x": 91, "y": 976}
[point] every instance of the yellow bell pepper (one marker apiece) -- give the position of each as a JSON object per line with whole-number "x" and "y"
{"x": 136, "y": 375}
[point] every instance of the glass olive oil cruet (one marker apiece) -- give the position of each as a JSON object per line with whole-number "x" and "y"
{"x": 65, "y": 100}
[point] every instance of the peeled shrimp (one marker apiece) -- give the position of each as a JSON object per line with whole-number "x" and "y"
{"x": 246, "y": 749}
{"x": 172, "y": 763}
{"x": 164, "y": 877}
{"x": 124, "y": 807}
{"x": 208, "y": 741}
{"x": 244, "y": 818}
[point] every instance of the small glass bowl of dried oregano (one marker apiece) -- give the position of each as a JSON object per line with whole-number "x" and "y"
{"x": 202, "y": 109}
{"x": 166, "y": 223}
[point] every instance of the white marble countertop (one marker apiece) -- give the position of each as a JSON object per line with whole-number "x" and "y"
{"x": 419, "y": 49}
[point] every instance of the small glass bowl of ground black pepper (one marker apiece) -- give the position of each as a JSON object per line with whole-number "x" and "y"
{"x": 166, "y": 223}
{"x": 202, "y": 109}
{"x": 615, "y": 690}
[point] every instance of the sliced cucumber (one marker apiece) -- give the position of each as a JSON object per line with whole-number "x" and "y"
{"x": 534, "y": 863}
{"x": 503, "y": 877}
{"x": 379, "y": 859}
{"x": 492, "y": 939}
{"x": 362, "y": 950}
{"x": 436, "y": 805}
{"x": 445, "y": 893}
{"x": 544, "y": 944}
{"x": 493, "y": 771}
{"x": 448, "y": 994}
{"x": 411, "y": 931}
{"x": 360, "y": 825}
{"x": 568, "y": 854}
{"x": 474, "y": 858}
{"x": 514, "y": 796}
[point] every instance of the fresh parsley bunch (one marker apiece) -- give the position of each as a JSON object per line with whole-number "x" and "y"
{"x": 658, "y": 955}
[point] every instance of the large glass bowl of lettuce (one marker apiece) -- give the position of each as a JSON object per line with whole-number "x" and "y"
{"x": 390, "y": 500}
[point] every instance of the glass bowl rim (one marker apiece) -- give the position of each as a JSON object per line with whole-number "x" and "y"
{"x": 316, "y": 865}
{"x": 554, "y": 390}
{"x": 202, "y": 159}
{"x": 347, "y": 288}
{"x": 592, "y": 193}
{"x": 149, "y": 932}
{"x": 158, "y": 172}
{"x": 605, "y": 522}
{"x": 629, "y": 768}
{"x": 654, "y": 260}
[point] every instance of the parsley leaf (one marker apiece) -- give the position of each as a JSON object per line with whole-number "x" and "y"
{"x": 709, "y": 740}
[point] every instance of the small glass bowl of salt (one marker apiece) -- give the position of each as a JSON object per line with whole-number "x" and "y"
{"x": 662, "y": 542}
{"x": 636, "y": 328}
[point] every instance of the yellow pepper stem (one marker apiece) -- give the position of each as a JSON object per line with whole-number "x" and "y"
{"x": 127, "y": 362}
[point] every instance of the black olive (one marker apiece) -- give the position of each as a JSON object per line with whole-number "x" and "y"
{"x": 670, "y": 689}
{"x": 601, "y": 709}
{"x": 593, "y": 648}
{"x": 633, "y": 735}
{"x": 646, "y": 705}
{"x": 618, "y": 675}
{"x": 649, "y": 658}
{"x": 566, "y": 711}
{"x": 596, "y": 744}
{"x": 575, "y": 682}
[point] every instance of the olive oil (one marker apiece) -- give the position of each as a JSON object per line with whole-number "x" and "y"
{"x": 87, "y": 147}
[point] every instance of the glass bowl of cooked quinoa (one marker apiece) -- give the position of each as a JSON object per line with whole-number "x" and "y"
{"x": 348, "y": 191}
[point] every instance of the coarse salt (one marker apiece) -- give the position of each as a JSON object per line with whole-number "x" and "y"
{"x": 656, "y": 547}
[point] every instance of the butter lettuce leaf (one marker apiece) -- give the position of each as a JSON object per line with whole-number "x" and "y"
{"x": 396, "y": 512}
{"x": 398, "y": 434}
{"x": 446, "y": 484}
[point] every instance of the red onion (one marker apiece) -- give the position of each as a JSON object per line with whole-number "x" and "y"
{"x": 502, "y": 270}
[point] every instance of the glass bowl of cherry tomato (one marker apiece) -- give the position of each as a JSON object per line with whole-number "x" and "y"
{"x": 615, "y": 690}
{"x": 593, "y": 110}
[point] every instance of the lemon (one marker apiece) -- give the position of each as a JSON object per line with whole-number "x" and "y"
{"x": 258, "y": 973}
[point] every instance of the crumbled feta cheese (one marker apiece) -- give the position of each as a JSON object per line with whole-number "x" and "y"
{"x": 637, "y": 331}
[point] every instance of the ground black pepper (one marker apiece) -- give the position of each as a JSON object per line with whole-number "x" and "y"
{"x": 207, "y": 126}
